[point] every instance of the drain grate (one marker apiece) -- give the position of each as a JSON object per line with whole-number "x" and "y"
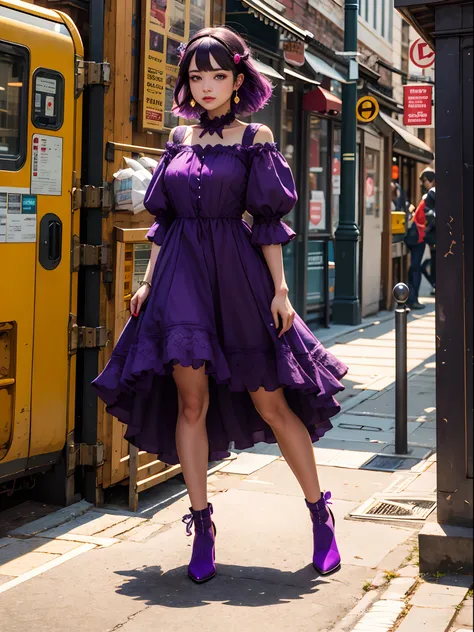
{"x": 396, "y": 507}
{"x": 389, "y": 463}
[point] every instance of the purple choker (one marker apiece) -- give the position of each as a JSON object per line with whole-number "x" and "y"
{"x": 215, "y": 125}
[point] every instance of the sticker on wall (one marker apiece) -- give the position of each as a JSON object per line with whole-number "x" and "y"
{"x": 47, "y": 164}
{"x": 18, "y": 213}
{"x": 367, "y": 109}
{"x": 46, "y": 84}
{"x": 49, "y": 106}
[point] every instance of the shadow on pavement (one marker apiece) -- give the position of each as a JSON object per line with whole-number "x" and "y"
{"x": 233, "y": 586}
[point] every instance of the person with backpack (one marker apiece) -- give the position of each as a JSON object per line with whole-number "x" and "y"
{"x": 420, "y": 232}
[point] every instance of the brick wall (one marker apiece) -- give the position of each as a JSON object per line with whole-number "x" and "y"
{"x": 330, "y": 31}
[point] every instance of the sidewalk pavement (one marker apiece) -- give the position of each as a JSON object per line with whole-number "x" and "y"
{"x": 97, "y": 570}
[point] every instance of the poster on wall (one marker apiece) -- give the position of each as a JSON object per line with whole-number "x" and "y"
{"x": 166, "y": 24}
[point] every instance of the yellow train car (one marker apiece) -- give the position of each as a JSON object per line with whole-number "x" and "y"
{"x": 40, "y": 153}
{"x": 69, "y": 261}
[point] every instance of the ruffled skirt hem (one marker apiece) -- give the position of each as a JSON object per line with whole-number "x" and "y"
{"x": 138, "y": 388}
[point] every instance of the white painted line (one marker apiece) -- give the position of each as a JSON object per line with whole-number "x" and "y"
{"x": 46, "y": 567}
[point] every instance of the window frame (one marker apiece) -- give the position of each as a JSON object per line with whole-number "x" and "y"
{"x": 9, "y": 162}
{"x": 59, "y": 96}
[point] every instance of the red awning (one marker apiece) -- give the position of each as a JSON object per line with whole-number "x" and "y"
{"x": 323, "y": 101}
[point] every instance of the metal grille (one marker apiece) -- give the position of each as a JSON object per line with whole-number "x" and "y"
{"x": 396, "y": 507}
{"x": 389, "y": 463}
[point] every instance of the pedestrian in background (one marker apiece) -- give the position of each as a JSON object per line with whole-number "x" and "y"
{"x": 428, "y": 268}
{"x": 417, "y": 235}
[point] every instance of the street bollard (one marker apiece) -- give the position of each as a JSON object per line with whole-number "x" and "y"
{"x": 400, "y": 294}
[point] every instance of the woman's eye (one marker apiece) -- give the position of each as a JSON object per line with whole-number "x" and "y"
{"x": 195, "y": 78}
{"x": 220, "y": 77}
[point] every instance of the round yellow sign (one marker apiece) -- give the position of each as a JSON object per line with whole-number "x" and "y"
{"x": 367, "y": 109}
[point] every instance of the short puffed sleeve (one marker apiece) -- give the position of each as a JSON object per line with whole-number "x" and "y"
{"x": 271, "y": 194}
{"x": 158, "y": 204}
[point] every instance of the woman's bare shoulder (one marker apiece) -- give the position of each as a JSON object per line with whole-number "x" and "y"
{"x": 264, "y": 135}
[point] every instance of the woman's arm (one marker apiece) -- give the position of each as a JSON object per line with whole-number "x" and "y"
{"x": 281, "y": 305}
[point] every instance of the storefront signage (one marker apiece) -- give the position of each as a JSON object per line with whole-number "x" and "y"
{"x": 166, "y": 24}
{"x": 421, "y": 54}
{"x": 293, "y": 52}
{"x": 317, "y": 211}
{"x": 418, "y": 105}
{"x": 367, "y": 109}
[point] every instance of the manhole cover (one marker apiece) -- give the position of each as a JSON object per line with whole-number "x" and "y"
{"x": 390, "y": 463}
{"x": 396, "y": 507}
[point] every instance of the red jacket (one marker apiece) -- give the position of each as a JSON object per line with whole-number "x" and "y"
{"x": 419, "y": 218}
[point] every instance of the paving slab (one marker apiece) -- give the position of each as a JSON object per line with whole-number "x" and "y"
{"x": 399, "y": 587}
{"x": 353, "y": 485}
{"x": 26, "y": 563}
{"x": 427, "y": 620}
{"x": 247, "y": 463}
{"x": 53, "y": 520}
{"x": 425, "y": 482}
{"x": 421, "y": 403}
{"x": 91, "y": 523}
{"x": 424, "y": 435}
{"x": 464, "y": 618}
{"x": 381, "y": 617}
{"x": 435, "y": 595}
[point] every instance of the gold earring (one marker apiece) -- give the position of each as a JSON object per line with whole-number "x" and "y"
{"x": 236, "y": 98}
{"x": 193, "y": 103}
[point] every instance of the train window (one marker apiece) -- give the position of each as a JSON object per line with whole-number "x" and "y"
{"x": 47, "y": 110}
{"x": 13, "y": 106}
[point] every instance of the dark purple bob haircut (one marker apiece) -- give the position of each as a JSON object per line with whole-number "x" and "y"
{"x": 227, "y": 48}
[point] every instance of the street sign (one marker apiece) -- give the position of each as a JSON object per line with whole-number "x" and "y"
{"x": 418, "y": 105}
{"x": 293, "y": 52}
{"x": 367, "y": 109}
{"x": 421, "y": 54}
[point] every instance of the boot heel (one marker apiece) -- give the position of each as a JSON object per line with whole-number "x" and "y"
{"x": 202, "y": 566}
{"x": 326, "y": 558}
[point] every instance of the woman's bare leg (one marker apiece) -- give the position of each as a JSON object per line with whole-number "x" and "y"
{"x": 293, "y": 439}
{"x": 191, "y": 434}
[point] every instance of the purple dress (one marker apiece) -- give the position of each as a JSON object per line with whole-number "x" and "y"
{"x": 210, "y": 305}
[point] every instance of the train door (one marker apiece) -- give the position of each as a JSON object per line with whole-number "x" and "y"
{"x": 39, "y": 153}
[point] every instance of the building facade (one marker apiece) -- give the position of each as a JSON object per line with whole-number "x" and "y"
{"x": 305, "y": 115}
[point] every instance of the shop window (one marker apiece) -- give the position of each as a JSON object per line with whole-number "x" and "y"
{"x": 372, "y": 182}
{"x": 318, "y": 176}
{"x": 13, "y": 106}
{"x": 336, "y": 177}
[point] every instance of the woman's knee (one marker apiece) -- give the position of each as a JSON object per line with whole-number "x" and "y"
{"x": 275, "y": 414}
{"x": 194, "y": 408}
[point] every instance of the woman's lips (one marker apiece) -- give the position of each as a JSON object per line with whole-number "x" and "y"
{"x": 209, "y": 99}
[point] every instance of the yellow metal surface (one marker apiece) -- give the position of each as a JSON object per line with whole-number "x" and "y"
{"x": 398, "y": 222}
{"x": 38, "y": 301}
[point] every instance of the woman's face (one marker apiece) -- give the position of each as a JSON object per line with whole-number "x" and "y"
{"x": 212, "y": 89}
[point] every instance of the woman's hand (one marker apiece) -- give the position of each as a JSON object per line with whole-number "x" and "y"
{"x": 138, "y": 299}
{"x": 282, "y": 307}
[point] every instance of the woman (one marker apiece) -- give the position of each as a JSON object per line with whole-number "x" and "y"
{"x": 215, "y": 352}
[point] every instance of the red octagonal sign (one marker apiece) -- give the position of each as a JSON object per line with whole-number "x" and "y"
{"x": 421, "y": 54}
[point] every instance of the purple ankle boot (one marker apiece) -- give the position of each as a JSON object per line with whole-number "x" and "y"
{"x": 326, "y": 558}
{"x": 202, "y": 565}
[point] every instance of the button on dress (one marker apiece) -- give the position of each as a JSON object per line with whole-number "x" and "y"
{"x": 210, "y": 305}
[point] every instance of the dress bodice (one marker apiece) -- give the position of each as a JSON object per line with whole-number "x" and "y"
{"x": 221, "y": 182}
